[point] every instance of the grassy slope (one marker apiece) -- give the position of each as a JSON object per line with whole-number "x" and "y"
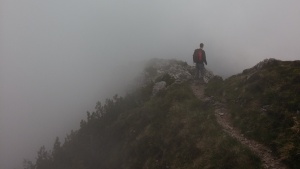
{"x": 182, "y": 133}
{"x": 171, "y": 130}
{"x": 265, "y": 105}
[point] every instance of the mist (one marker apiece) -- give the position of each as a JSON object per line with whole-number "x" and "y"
{"x": 58, "y": 58}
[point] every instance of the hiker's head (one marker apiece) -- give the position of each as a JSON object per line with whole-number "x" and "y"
{"x": 201, "y": 45}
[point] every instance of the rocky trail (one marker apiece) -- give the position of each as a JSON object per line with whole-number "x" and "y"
{"x": 223, "y": 118}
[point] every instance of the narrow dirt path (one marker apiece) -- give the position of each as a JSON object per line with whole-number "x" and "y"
{"x": 223, "y": 118}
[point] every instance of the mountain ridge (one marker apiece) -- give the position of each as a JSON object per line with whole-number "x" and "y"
{"x": 171, "y": 128}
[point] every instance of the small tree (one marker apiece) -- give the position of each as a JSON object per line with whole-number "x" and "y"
{"x": 28, "y": 165}
{"x": 44, "y": 159}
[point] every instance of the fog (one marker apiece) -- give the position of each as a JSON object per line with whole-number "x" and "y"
{"x": 58, "y": 58}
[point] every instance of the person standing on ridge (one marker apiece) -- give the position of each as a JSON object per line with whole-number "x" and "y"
{"x": 199, "y": 57}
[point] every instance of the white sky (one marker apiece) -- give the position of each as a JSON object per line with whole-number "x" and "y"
{"x": 59, "y": 57}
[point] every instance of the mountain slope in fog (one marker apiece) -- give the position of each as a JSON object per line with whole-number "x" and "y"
{"x": 174, "y": 129}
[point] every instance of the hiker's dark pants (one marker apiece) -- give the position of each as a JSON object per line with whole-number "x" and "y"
{"x": 200, "y": 70}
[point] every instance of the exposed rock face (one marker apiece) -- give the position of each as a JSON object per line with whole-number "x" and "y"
{"x": 177, "y": 70}
{"x": 163, "y": 72}
{"x": 208, "y": 75}
{"x": 158, "y": 86}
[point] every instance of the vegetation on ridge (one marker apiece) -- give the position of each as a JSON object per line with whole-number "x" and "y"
{"x": 170, "y": 130}
{"x": 174, "y": 129}
{"x": 264, "y": 103}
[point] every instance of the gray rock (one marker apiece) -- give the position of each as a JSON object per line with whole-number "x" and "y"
{"x": 158, "y": 86}
{"x": 208, "y": 75}
{"x": 178, "y": 70}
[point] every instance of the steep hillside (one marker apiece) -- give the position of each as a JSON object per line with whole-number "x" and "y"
{"x": 264, "y": 103}
{"x": 167, "y": 128}
{"x": 164, "y": 124}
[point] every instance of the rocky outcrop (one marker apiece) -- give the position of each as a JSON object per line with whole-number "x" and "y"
{"x": 164, "y": 72}
{"x": 178, "y": 70}
{"x": 158, "y": 86}
{"x": 208, "y": 76}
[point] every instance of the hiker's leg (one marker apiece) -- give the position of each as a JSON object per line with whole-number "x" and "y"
{"x": 197, "y": 71}
{"x": 201, "y": 68}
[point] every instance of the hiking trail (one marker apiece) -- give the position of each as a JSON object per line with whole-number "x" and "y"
{"x": 223, "y": 118}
